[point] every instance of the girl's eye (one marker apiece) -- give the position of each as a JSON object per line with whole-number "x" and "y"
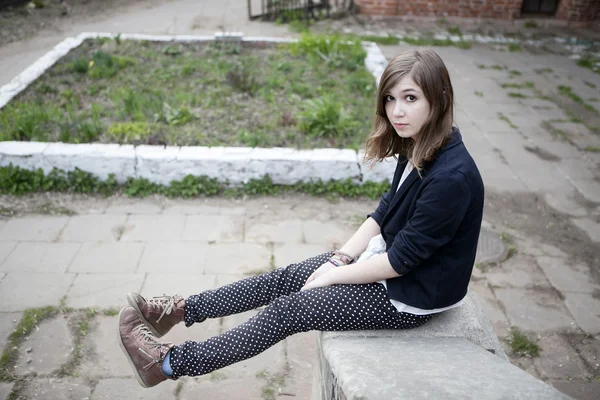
{"x": 388, "y": 98}
{"x": 410, "y": 98}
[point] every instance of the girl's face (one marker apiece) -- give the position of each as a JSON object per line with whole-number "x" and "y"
{"x": 407, "y": 108}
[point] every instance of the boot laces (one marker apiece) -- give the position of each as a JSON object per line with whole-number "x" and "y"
{"x": 150, "y": 341}
{"x": 166, "y": 303}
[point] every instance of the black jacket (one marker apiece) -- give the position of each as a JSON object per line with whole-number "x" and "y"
{"x": 431, "y": 227}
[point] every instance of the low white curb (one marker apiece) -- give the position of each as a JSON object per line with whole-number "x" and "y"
{"x": 164, "y": 164}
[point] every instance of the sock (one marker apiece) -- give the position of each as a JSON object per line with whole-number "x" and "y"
{"x": 166, "y": 365}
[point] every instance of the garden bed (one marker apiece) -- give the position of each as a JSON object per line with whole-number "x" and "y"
{"x": 314, "y": 93}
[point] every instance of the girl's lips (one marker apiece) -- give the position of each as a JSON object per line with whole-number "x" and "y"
{"x": 400, "y": 125}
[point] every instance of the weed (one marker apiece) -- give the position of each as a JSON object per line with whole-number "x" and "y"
{"x": 335, "y": 50}
{"x": 110, "y": 312}
{"x": 543, "y": 70}
{"x": 217, "y": 376}
{"x": 31, "y": 318}
{"x": 514, "y": 47}
{"x": 18, "y": 181}
{"x": 299, "y": 26}
{"x": 568, "y": 91}
{"x": 428, "y": 41}
{"x": 477, "y": 93}
{"x": 129, "y": 132}
{"x": 555, "y": 132}
{"x": 50, "y": 209}
{"x": 521, "y": 345}
{"x": 455, "y": 30}
{"x": 384, "y": 40}
{"x": 508, "y": 121}
{"x": 517, "y": 95}
{"x": 592, "y": 149}
{"x": 527, "y": 84}
{"x": 514, "y": 72}
{"x": 324, "y": 117}
{"x": 80, "y": 330}
{"x": 531, "y": 24}
{"x": 590, "y": 84}
{"x": 590, "y": 63}
{"x": 241, "y": 78}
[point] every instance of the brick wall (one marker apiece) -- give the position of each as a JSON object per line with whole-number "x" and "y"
{"x": 578, "y": 10}
{"x": 568, "y": 10}
{"x": 503, "y": 9}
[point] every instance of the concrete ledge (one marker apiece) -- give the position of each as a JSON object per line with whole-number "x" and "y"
{"x": 456, "y": 355}
{"x": 424, "y": 368}
{"x": 464, "y": 322}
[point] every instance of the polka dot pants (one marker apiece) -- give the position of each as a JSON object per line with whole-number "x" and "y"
{"x": 289, "y": 311}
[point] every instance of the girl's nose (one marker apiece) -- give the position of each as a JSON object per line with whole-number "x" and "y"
{"x": 399, "y": 110}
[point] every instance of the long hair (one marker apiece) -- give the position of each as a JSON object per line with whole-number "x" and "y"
{"x": 427, "y": 70}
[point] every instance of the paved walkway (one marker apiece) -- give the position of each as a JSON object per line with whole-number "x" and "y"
{"x": 543, "y": 195}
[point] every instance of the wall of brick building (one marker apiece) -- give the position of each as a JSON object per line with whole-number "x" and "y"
{"x": 568, "y": 10}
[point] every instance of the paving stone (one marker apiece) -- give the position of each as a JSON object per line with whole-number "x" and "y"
{"x": 303, "y": 360}
{"x": 170, "y": 284}
{"x": 47, "y": 348}
{"x": 40, "y": 257}
{"x": 39, "y": 228}
{"x": 223, "y": 280}
{"x": 103, "y": 290}
{"x": 490, "y": 247}
{"x": 136, "y": 206}
{"x": 557, "y": 359}
{"x": 191, "y": 209}
{"x": 237, "y": 258}
{"x": 589, "y": 226}
{"x": 94, "y": 228}
{"x": 568, "y": 277}
{"x": 286, "y": 254}
{"x": 130, "y": 389}
{"x": 578, "y": 389}
{"x": 534, "y": 310}
{"x": 153, "y": 228}
{"x": 553, "y": 251}
{"x": 561, "y": 202}
{"x": 8, "y": 323}
{"x": 197, "y": 332}
{"x": 519, "y": 271}
{"x": 103, "y": 356}
{"x": 326, "y": 233}
{"x": 502, "y": 179}
{"x": 175, "y": 258}
{"x": 107, "y": 257}
{"x": 586, "y": 311}
{"x": 6, "y": 248}
{"x": 589, "y": 350}
{"x": 222, "y": 387}
{"x": 589, "y": 188}
{"x": 22, "y": 290}
{"x": 286, "y": 231}
{"x": 54, "y": 389}
{"x": 213, "y": 228}
{"x": 490, "y": 307}
{"x": 5, "y": 389}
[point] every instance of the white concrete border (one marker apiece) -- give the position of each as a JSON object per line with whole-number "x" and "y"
{"x": 164, "y": 164}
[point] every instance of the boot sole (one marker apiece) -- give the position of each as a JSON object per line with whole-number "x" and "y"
{"x": 133, "y": 303}
{"x": 135, "y": 371}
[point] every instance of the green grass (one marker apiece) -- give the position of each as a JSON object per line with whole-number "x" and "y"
{"x": 200, "y": 94}
{"x": 526, "y": 85}
{"x": 455, "y": 30}
{"x": 568, "y": 91}
{"x": 544, "y": 70}
{"x": 592, "y": 149}
{"x": 429, "y": 41}
{"x": 514, "y": 47}
{"x": 521, "y": 345}
{"x": 478, "y": 93}
{"x": 507, "y": 120}
{"x": 590, "y": 62}
{"x": 531, "y": 25}
{"x": 514, "y": 72}
{"x": 17, "y": 181}
{"x": 517, "y": 95}
{"x": 384, "y": 40}
{"x": 30, "y": 319}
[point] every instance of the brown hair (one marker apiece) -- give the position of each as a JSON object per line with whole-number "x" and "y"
{"x": 429, "y": 72}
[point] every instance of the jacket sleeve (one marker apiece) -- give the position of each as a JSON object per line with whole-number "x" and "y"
{"x": 440, "y": 209}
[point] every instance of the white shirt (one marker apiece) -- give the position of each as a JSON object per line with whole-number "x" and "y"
{"x": 377, "y": 246}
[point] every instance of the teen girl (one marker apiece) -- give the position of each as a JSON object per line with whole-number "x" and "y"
{"x": 410, "y": 259}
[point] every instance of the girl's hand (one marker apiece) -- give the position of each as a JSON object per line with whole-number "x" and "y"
{"x": 326, "y": 278}
{"x": 324, "y": 268}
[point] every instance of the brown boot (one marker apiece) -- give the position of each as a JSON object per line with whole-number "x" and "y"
{"x": 160, "y": 314}
{"x": 144, "y": 353}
